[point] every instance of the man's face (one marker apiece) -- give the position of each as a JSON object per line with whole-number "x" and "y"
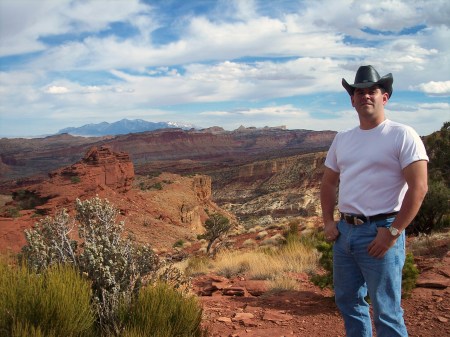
{"x": 369, "y": 101}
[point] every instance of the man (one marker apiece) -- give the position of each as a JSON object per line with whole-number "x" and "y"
{"x": 380, "y": 168}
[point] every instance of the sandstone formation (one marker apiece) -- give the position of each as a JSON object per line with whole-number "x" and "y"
{"x": 157, "y": 210}
{"x": 271, "y": 189}
{"x": 101, "y": 167}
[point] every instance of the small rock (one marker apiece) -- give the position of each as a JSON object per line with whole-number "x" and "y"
{"x": 224, "y": 319}
{"x": 233, "y": 291}
{"x": 276, "y": 316}
{"x": 243, "y": 315}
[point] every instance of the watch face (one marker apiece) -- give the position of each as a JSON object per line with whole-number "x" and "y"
{"x": 393, "y": 230}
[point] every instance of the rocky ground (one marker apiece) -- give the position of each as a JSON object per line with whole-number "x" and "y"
{"x": 240, "y": 307}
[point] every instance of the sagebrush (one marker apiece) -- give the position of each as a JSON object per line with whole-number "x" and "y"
{"x": 115, "y": 264}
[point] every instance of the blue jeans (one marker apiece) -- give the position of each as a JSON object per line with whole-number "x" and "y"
{"x": 357, "y": 274}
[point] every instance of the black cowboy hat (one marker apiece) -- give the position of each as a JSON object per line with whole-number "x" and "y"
{"x": 367, "y": 76}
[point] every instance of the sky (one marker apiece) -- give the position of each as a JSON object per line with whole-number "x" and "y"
{"x": 227, "y": 63}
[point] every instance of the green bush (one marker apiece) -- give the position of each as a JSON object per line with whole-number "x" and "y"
{"x": 434, "y": 210}
{"x": 75, "y": 180}
{"x": 324, "y": 280}
{"x": 161, "y": 311}
{"x": 27, "y": 199}
{"x": 117, "y": 267}
{"x": 157, "y": 186}
{"x": 12, "y": 212}
{"x": 179, "y": 243}
{"x": 217, "y": 225}
{"x": 55, "y": 303}
{"x": 410, "y": 274}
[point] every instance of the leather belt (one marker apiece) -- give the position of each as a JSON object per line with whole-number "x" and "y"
{"x": 359, "y": 219}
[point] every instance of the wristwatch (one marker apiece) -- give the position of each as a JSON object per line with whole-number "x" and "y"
{"x": 394, "y": 231}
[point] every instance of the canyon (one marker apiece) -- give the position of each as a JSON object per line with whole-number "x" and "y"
{"x": 166, "y": 183}
{"x": 254, "y": 172}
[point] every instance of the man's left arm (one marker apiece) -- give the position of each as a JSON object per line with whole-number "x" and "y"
{"x": 417, "y": 179}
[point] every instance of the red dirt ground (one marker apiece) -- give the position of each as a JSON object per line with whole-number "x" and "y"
{"x": 312, "y": 312}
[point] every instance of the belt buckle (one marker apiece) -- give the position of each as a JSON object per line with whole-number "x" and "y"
{"x": 351, "y": 219}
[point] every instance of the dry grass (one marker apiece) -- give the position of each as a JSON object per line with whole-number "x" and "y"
{"x": 266, "y": 264}
{"x": 4, "y": 199}
{"x": 282, "y": 283}
{"x": 426, "y": 244}
{"x": 194, "y": 266}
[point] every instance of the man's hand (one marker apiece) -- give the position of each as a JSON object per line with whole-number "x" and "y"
{"x": 331, "y": 232}
{"x": 381, "y": 244}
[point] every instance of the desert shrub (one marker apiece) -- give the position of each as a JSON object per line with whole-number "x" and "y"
{"x": 115, "y": 265}
{"x": 174, "y": 277}
{"x": 12, "y": 212}
{"x": 49, "y": 242}
{"x": 54, "y": 303}
{"x": 283, "y": 283}
{"x": 434, "y": 209}
{"x": 197, "y": 265}
{"x": 216, "y": 226}
{"x": 161, "y": 311}
{"x": 292, "y": 232}
{"x": 325, "y": 279}
{"x": 157, "y": 186}
{"x": 75, "y": 180}
{"x": 409, "y": 274}
{"x": 179, "y": 243}
{"x": 434, "y": 213}
{"x": 27, "y": 199}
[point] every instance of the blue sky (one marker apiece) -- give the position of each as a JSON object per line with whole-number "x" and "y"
{"x": 218, "y": 63}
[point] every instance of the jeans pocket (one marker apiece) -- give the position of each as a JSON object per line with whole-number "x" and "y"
{"x": 386, "y": 223}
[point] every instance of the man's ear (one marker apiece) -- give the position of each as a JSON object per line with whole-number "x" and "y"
{"x": 385, "y": 98}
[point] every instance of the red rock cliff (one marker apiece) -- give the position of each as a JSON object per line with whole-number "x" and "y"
{"x": 101, "y": 167}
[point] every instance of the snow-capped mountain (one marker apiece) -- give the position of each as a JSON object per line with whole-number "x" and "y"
{"x": 122, "y": 127}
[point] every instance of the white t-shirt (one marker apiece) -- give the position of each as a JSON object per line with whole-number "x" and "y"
{"x": 370, "y": 164}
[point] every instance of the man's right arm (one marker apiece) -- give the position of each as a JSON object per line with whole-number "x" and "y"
{"x": 330, "y": 181}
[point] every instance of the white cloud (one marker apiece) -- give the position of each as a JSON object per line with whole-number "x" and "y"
{"x": 434, "y": 88}
{"x": 247, "y": 52}
{"x": 425, "y": 118}
{"x": 57, "y": 90}
{"x": 23, "y": 23}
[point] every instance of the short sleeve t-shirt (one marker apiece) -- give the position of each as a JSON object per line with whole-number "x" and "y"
{"x": 370, "y": 164}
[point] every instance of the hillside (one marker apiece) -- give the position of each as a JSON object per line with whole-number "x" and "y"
{"x": 158, "y": 211}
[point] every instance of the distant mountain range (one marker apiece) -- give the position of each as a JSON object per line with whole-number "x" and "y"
{"x": 122, "y": 127}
